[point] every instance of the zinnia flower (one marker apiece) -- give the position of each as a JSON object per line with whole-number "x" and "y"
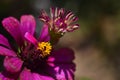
{"x": 60, "y": 21}
{"x": 34, "y": 59}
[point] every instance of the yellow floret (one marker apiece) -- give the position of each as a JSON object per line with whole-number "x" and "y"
{"x": 45, "y": 48}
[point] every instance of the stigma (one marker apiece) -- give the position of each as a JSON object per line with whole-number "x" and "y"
{"x": 45, "y": 48}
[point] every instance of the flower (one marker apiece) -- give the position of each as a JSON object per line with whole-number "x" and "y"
{"x": 34, "y": 59}
{"x": 60, "y": 21}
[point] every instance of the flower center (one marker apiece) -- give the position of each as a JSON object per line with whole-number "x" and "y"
{"x": 45, "y": 48}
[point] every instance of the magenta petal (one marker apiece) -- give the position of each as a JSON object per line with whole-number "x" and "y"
{"x": 73, "y": 27}
{"x": 41, "y": 77}
{"x": 52, "y": 12}
{"x": 26, "y": 75}
{"x": 50, "y": 61}
{"x": 3, "y": 77}
{"x": 63, "y": 55}
{"x": 12, "y": 25}
{"x": 69, "y": 75}
{"x": 44, "y": 36}
{"x": 12, "y": 64}
{"x": 61, "y": 76}
{"x": 44, "y": 17}
{"x": 69, "y": 15}
{"x": 30, "y": 38}
{"x": 28, "y": 24}
{"x": 63, "y": 61}
{"x": 4, "y": 41}
{"x": 6, "y": 52}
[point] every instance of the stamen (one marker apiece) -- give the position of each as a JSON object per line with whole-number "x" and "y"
{"x": 45, "y": 48}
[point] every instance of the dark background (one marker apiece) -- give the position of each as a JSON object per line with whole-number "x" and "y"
{"x": 96, "y": 42}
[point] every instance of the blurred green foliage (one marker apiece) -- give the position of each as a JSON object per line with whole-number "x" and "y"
{"x": 85, "y": 78}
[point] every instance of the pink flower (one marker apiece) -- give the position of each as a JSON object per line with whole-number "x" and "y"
{"x": 34, "y": 59}
{"x": 60, "y": 21}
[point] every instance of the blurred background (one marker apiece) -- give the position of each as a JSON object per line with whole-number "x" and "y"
{"x": 96, "y": 43}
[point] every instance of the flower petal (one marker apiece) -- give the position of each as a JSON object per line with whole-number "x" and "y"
{"x": 12, "y": 25}
{"x": 44, "y": 17}
{"x": 63, "y": 61}
{"x": 50, "y": 61}
{"x": 41, "y": 77}
{"x": 28, "y": 24}
{"x": 26, "y": 75}
{"x": 30, "y": 38}
{"x": 4, "y": 41}
{"x": 69, "y": 15}
{"x": 44, "y": 36}
{"x": 6, "y": 52}
{"x": 52, "y": 12}
{"x": 61, "y": 76}
{"x": 12, "y": 64}
{"x": 3, "y": 77}
{"x": 64, "y": 55}
{"x": 72, "y": 27}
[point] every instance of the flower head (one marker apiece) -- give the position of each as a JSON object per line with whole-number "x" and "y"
{"x": 60, "y": 21}
{"x": 34, "y": 59}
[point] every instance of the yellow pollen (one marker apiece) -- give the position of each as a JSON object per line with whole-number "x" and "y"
{"x": 45, "y": 48}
